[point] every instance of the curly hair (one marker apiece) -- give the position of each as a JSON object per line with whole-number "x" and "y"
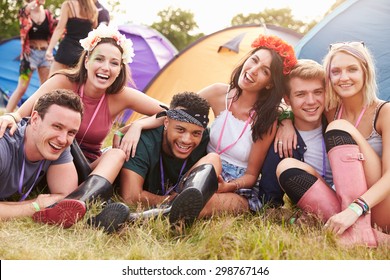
{"x": 190, "y": 100}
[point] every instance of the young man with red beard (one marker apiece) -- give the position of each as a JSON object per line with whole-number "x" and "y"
{"x": 171, "y": 168}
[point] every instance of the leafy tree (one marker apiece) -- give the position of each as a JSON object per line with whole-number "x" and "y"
{"x": 176, "y": 25}
{"x": 9, "y": 15}
{"x": 281, "y": 17}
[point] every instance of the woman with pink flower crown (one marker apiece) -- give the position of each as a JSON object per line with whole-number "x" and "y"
{"x": 100, "y": 78}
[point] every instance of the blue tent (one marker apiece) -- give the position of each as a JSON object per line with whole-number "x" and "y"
{"x": 354, "y": 20}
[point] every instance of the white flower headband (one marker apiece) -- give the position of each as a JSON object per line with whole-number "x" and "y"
{"x": 103, "y": 31}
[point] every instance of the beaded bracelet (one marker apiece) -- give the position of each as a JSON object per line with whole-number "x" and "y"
{"x": 363, "y": 204}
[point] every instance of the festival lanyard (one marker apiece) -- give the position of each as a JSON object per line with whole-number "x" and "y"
{"x": 22, "y": 177}
{"x": 223, "y": 129}
{"x": 359, "y": 118}
{"x": 94, "y": 113}
{"x": 163, "y": 179}
{"x": 323, "y": 159}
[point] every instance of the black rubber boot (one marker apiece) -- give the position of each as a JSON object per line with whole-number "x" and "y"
{"x": 112, "y": 217}
{"x": 73, "y": 207}
{"x": 197, "y": 189}
{"x": 95, "y": 187}
{"x": 80, "y": 161}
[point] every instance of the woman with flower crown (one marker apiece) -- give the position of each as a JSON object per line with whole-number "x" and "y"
{"x": 100, "y": 78}
{"x": 246, "y": 112}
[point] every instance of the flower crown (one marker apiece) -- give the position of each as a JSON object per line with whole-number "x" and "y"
{"x": 103, "y": 31}
{"x": 285, "y": 50}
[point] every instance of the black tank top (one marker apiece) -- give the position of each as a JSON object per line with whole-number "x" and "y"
{"x": 40, "y": 32}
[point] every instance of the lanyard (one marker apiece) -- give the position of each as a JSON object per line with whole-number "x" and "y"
{"x": 94, "y": 113}
{"x": 359, "y": 118}
{"x": 22, "y": 177}
{"x": 323, "y": 158}
{"x": 163, "y": 179}
{"x": 223, "y": 129}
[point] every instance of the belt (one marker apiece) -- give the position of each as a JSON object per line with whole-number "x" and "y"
{"x": 38, "y": 48}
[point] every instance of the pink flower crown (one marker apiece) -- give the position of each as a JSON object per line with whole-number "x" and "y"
{"x": 103, "y": 31}
{"x": 285, "y": 50}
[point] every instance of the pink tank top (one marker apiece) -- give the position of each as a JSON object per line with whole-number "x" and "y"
{"x": 92, "y": 138}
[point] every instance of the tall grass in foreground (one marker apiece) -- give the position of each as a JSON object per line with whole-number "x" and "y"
{"x": 248, "y": 237}
{"x": 263, "y": 236}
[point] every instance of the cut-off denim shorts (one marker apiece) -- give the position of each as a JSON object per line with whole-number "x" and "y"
{"x": 38, "y": 59}
{"x": 231, "y": 172}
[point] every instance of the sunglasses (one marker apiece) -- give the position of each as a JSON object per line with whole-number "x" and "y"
{"x": 341, "y": 44}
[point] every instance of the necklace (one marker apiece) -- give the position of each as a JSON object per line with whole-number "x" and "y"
{"x": 94, "y": 113}
{"x": 163, "y": 179}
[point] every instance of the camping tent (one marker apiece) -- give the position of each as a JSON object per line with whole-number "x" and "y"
{"x": 354, "y": 20}
{"x": 209, "y": 60}
{"x": 152, "y": 52}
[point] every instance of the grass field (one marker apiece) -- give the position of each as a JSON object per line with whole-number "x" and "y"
{"x": 263, "y": 236}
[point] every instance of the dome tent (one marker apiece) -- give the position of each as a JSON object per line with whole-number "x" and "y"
{"x": 354, "y": 20}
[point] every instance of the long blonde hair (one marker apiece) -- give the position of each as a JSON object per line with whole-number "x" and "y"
{"x": 88, "y": 9}
{"x": 365, "y": 58}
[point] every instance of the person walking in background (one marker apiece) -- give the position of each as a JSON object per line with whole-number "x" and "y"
{"x": 101, "y": 79}
{"x": 36, "y": 28}
{"x": 77, "y": 18}
{"x": 104, "y": 15}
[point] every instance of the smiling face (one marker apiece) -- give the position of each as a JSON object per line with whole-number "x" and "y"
{"x": 346, "y": 75}
{"x": 104, "y": 65}
{"x": 256, "y": 71}
{"x": 181, "y": 138}
{"x": 53, "y": 134}
{"x": 307, "y": 99}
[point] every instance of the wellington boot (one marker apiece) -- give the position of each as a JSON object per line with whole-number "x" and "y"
{"x": 95, "y": 187}
{"x": 113, "y": 216}
{"x": 73, "y": 207}
{"x": 80, "y": 161}
{"x": 197, "y": 189}
{"x": 320, "y": 200}
{"x": 350, "y": 182}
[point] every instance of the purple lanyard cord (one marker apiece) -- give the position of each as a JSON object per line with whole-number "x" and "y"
{"x": 163, "y": 179}
{"x": 22, "y": 175}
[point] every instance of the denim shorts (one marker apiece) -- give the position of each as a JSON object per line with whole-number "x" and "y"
{"x": 38, "y": 59}
{"x": 231, "y": 172}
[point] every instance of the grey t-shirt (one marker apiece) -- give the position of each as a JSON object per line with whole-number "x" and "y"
{"x": 11, "y": 162}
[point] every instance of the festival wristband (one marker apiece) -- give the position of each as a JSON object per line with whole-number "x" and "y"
{"x": 119, "y": 133}
{"x": 36, "y": 206}
{"x": 356, "y": 208}
{"x": 286, "y": 114}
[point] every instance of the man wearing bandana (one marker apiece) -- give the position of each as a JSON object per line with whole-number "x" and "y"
{"x": 171, "y": 170}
